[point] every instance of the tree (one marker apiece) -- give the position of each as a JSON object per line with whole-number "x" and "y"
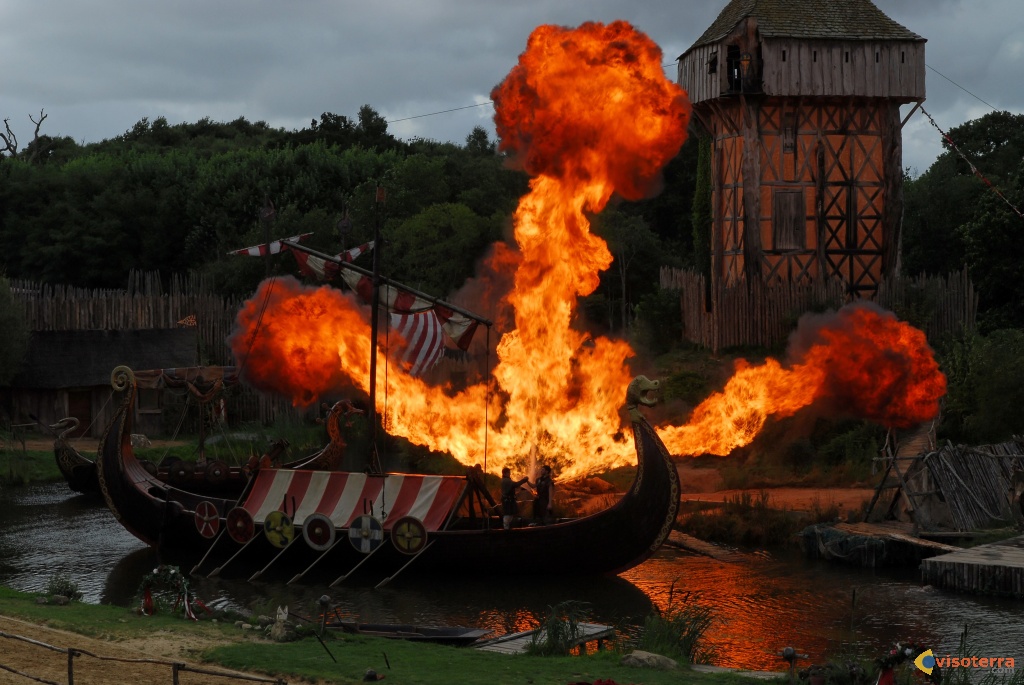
{"x": 14, "y": 341}
{"x": 10, "y": 140}
{"x": 437, "y": 249}
{"x": 993, "y": 241}
{"x": 479, "y": 143}
{"x": 631, "y": 243}
{"x": 944, "y": 198}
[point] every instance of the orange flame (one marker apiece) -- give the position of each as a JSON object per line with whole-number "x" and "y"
{"x": 588, "y": 113}
{"x": 859, "y": 362}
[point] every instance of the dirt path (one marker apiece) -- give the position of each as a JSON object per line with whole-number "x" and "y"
{"x": 52, "y": 666}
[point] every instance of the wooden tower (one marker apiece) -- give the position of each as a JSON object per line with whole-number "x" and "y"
{"x": 802, "y": 101}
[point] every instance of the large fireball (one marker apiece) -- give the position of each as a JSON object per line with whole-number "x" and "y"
{"x": 589, "y": 114}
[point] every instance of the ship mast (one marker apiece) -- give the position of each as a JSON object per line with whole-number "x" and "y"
{"x": 371, "y": 414}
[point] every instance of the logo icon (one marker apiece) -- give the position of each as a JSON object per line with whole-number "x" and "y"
{"x": 925, "y": 661}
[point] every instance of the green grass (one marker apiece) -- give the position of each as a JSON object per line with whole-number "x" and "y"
{"x": 19, "y": 467}
{"x": 402, "y": 663}
{"x": 407, "y": 663}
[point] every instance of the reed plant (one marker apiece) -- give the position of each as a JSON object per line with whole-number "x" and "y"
{"x": 560, "y": 631}
{"x": 680, "y": 630}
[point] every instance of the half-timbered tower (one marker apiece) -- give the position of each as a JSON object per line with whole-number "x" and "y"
{"x": 802, "y": 101}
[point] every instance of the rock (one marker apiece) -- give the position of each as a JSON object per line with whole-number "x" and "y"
{"x": 239, "y": 624}
{"x": 139, "y": 440}
{"x": 41, "y": 600}
{"x": 264, "y": 620}
{"x": 281, "y": 632}
{"x": 59, "y": 600}
{"x": 246, "y": 626}
{"x": 641, "y": 659}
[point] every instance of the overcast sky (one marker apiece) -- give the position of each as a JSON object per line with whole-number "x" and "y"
{"x": 98, "y": 66}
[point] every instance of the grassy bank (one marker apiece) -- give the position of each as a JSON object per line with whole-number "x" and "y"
{"x": 401, "y": 662}
{"x": 751, "y": 520}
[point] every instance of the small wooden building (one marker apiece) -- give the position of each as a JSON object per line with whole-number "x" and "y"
{"x": 802, "y": 102}
{"x": 67, "y": 373}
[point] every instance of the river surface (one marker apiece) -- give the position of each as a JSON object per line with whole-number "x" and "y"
{"x": 761, "y": 604}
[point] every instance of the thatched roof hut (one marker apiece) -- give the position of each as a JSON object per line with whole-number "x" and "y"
{"x": 67, "y": 373}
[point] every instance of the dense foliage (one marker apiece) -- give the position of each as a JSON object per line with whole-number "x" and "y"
{"x": 954, "y": 218}
{"x": 178, "y": 198}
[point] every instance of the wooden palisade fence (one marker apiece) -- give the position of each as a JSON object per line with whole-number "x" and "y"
{"x": 146, "y": 305}
{"x": 764, "y": 315}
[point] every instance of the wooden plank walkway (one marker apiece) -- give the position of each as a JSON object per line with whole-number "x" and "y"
{"x": 895, "y": 530}
{"x": 707, "y": 549}
{"x": 515, "y": 643}
{"x": 993, "y": 569}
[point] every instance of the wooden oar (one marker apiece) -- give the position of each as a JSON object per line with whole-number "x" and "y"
{"x": 271, "y": 562}
{"x": 352, "y": 570}
{"x": 216, "y": 572}
{"x": 414, "y": 557}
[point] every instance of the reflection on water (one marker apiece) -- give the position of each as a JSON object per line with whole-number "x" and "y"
{"x": 761, "y": 604}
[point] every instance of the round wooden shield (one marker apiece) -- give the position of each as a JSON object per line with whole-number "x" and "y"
{"x": 150, "y": 467}
{"x": 240, "y": 525}
{"x": 179, "y": 471}
{"x": 279, "y": 529}
{"x": 207, "y": 519}
{"x": 318, "y": 530}
{"x": 366, "y": 533}
{"x": 408, "y": 535}
{"x": 216, "y": 472}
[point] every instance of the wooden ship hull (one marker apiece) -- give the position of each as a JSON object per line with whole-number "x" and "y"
{"x": 289, "y": 523}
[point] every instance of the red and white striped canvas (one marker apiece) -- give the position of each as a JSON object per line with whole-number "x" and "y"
{"x": 268, "y": 248}
{"x": 424, "y": 340}
{"x": 321, "y": 269}
{"x": 343, "y": 496}
{"x": 456, "y": 326}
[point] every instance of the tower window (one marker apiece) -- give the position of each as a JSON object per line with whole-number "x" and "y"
{"x": 789, "y": 132}
{"x": 713, "y": 64}
{"x": 783, "y": 55}
{"x": 788, "y": 219}
{"x": 903, "y": 58}
{"x": 815, "y": 56}
{"x": 847, "y": 56}
{"x": 876, "y": 58}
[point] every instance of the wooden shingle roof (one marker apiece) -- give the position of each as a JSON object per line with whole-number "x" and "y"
{"x": 809, "y": 19}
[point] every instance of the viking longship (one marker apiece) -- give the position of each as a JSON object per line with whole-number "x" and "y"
{"x": 207, "y": 477}
{"x": 296, "y": 523}
{"x": 78, "y": 470}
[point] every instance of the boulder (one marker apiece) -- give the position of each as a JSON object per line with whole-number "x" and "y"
{"x": 641, "y": 659}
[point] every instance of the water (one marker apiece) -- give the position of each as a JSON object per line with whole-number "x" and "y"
{"x": 761, "y": 604}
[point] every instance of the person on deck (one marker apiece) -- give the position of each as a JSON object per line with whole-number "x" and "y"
{"x": 509, "y": 505}
{"x": 543, "y": 501}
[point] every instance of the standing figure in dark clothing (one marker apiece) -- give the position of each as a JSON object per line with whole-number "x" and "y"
{"x": 543, "y": 502}
{"x": 509, "y": 505}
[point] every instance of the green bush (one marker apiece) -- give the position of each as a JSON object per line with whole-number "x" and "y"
{"x": 61, "y": 584}
{"x": 985, "y": 377}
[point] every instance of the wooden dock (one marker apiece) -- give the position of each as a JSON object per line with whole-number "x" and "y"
{"x": 515, "y": 643}
{"x": 993, "y": 569}
{"x": 889, "y": 543}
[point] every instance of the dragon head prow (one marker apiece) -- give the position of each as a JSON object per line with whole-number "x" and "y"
{"x": 641, "y": 391}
